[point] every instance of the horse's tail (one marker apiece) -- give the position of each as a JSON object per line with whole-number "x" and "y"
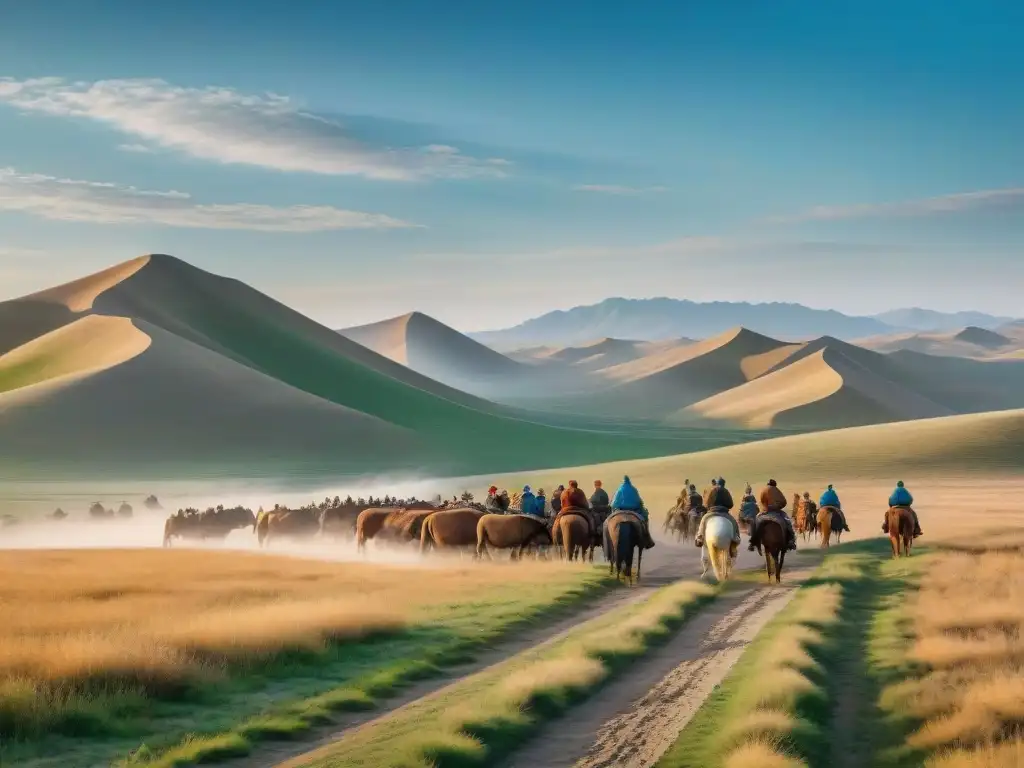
{"x": 262, "y": 529}
{"x": 627, "y": 542}
{"x": 717, "y": 557}
{"x": 426, "y": 537}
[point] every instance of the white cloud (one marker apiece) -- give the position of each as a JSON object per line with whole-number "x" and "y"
{"x": 225, "y": 126}
{"x": 616, "y": 189}
{"x": 104, "y": 203}
{"x": 141, "y": 149}
{"x": 955, "y": 203}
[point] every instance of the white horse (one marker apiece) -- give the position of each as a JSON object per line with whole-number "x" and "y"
{"x": 716, "y": 550}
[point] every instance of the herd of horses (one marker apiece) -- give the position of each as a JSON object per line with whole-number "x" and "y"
{"x": 457, "y": 526}
{"x": 462, "y": 526}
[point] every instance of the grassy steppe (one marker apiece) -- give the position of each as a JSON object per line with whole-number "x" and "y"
{"x": 179, "y": 656}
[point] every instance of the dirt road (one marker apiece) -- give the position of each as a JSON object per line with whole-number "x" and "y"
{"x": 637, "y": 717}
{"x": 666, "y": 563}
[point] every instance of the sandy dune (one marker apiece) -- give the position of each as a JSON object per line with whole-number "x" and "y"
{"x": 433, "y": 349}
{"x": 170, "y": 398}
{"x": 85, "y": 346}
{"x": 970, "y": 342}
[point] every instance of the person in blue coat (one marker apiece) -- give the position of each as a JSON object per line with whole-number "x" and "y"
{"x": 528, "y": 503}
{"x": 901, "y": 497}
{"x": 831, "y": 499}
{"x": 627, "y": 498}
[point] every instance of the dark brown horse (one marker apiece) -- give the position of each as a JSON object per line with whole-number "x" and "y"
{"x": 901, "y": 530}
{"x": 773, "y": 541}
{"x": 515, "y": 532}
{"x": 623, "y": 533}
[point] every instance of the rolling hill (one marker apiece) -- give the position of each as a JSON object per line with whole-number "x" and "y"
{"x": 439, "y": 352}
{"x": 971, "y": 342}
{"x": 183, "y": 368}
{"x": 742, "y": 378}
{"x": 951, "y": 446}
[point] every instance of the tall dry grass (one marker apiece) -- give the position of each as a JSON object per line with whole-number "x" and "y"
{"x": 968, "y": 622}
{"x": 88, "y": 629}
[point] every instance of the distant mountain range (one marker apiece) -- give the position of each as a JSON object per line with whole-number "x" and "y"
{"x": 664, "y": 318}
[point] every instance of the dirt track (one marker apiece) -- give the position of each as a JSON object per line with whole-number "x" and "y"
{"x": 666, "y": 563}
{"x": 637, "y": 717}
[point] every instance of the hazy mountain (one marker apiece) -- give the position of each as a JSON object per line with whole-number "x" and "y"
{"x": 662, "y": 318}
{"x": 917, "y": 319}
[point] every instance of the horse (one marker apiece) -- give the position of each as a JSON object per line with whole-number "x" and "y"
{"x": 805, "y": 519}
{"x": 718, "y": 548}
{"x": 773, "y": 542}
{"x": 829, "y": 523}
{"x": 450, "y": 529}
{"x": 901, "y": 530}
{"x": 621, "y": 534}
{"x": 571, "y": 535}
{"x": 516, "y": 532}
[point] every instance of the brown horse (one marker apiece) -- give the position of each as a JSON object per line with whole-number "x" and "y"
{"x": 515, "y": 532}
{"x": 901, "y": 530}
{"x": 773, "y": 541}
{"x": 571, "y": 535}
{"x": 825, "y": 523}
{"x": 450, "y": 528}
{"x": 299, "y": 523}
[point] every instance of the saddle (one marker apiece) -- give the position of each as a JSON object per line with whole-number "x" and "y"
{"x": 625, "y": 513}
{"x": 584, "y": 513}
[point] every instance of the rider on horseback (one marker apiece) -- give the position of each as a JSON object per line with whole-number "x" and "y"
{"x": 774, "y": 502}
{"x": 599, "y": 498}
{"x": 719, "y": 501}
{"x": 748, "y": 504}
{"x": 831, "y": 499}
{"x": 901, "y": 497}
{"x": 627, "y": 499}
{"x": 528, "y": 503}
{"x": 573, "y": 498}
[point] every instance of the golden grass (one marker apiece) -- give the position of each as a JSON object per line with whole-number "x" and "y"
{"x": 968, "y": 621}
{"x": 760, "y": 754}
{"x": 152, "y": 623}
{"x": 788, "y": 677}
{"x": 475, "y": 719}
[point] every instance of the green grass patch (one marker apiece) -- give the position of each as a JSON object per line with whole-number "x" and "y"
{"x": 805, "y": 691}
{"x": 484, "y": 718}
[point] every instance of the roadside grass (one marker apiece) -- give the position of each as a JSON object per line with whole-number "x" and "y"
{"x": 801, "y": 693}
{"x": 964, "y": 701}
{"x": 484, "y": 718}
{"x": 176, "y": 658}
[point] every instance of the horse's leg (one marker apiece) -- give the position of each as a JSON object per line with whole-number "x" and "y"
{"x": 778, "y": 567}
{"x": 768, "y": 564}
{"x": 639, "y": 560}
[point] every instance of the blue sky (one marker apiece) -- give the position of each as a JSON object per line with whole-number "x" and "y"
{"x": 485, "y": 162}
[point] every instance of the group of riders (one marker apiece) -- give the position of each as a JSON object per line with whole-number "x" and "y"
{"x": 571, "y": 499}
{"x": 717, "y": 501}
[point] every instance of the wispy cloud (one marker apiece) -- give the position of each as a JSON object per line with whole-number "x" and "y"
{"x": 140, "y": 149}
{"x": 616, "y": 189}
{"x": 955, "y": 203}
{"x": 226, "y": 126}
{"x": 103, "y": 203}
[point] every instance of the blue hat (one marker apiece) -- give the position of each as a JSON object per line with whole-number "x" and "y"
{"x": 526, "y": 489}
{"x": 899, "y": 483}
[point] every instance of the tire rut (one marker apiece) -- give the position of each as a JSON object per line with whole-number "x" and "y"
{"x": 633, "y": 720}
